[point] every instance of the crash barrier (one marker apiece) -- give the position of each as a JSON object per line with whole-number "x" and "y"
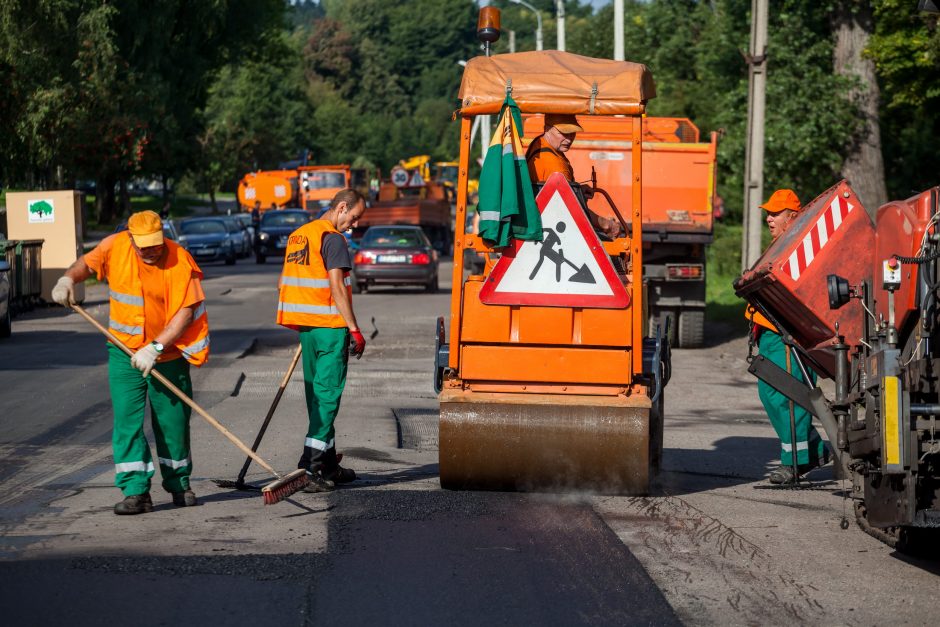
{"x": 25, "y": 259}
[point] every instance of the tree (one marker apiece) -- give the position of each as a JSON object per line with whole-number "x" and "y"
{"x": 853, "y": 26}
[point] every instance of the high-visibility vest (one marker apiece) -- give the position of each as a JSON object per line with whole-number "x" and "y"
{"x": 305, "y": 299}
{"x": 127, "y": 298}
{"x": 757, "y": 318}
{"x": 543, "y": 161}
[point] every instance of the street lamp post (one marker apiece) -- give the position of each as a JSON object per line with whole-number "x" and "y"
{"x": 538, "y": 17}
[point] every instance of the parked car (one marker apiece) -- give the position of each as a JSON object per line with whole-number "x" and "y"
{"x": 209, "y": 239}
{"x": 274, "y": 229}
{"x": 6, "y": 316}
{"x": 239, "y": 232}
{"x": 395, "y": 255}
{"x": 245, "y": 218}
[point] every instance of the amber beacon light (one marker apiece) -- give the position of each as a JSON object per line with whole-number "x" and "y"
{"x": 488, "y": 27}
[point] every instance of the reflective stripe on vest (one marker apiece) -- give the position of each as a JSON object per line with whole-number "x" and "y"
{"x": 127, "y": 299}
{"x": 305, "y": 298}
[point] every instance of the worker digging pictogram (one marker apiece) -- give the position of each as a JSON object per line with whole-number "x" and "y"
{"x": 547, "y": 251}
{"x": 569, "y": 267}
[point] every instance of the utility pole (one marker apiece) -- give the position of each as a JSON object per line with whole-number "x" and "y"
{"x": 560, "y": 12}
{"x": 754, "y": 156}
{"x": 512, "y": 41}
{"x": 618, "y": 30}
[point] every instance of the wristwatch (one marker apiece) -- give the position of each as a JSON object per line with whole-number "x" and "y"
{"x": 158, "y": 346}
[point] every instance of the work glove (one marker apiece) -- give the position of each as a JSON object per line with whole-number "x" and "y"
{"x": 63, "y": 292}
{"x": 145, "y": 358}
{"x": 358, "y": 342}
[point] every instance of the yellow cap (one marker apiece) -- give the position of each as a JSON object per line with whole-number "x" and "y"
{"x": 146, "y": 228}
{"x": 564, "y": 122}
{"x": 780, "y": 200}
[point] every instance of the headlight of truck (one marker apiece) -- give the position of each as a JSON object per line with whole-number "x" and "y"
{"x": 264, "y": 237}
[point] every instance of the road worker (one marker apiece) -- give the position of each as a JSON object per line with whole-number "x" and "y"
{"x": 316, "y": 300}
{"x": 156, "y": 310}
{"x": 782, "y": 209}
{"x": 546, "y": 155}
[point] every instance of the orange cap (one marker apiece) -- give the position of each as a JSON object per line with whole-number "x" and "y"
{"x": 146, "y": 228}
{"x": 566, "y": 122}
{"x": 780, "y": 200}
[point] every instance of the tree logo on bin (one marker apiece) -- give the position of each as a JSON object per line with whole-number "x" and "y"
{"x": 41, "y": 210}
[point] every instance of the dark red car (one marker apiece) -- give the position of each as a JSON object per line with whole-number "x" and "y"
{"x": 395, "y": 255}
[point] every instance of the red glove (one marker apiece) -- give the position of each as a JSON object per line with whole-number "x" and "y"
{"x": 358, "y": 342}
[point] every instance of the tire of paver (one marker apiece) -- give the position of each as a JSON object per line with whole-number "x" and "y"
{"x": 691, "y": 328}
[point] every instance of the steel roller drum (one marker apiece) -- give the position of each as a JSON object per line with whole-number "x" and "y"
{"x": 543, "y": 442}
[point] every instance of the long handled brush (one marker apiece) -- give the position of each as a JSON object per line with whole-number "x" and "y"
{"x": 239, "y": 483}
{"x": 276, "y": 491}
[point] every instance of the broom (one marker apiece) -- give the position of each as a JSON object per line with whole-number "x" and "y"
{"x": 239, "y": 483}
{"x": 276, "y": 491}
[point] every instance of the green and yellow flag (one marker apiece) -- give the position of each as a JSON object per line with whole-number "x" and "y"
{"x": 507, "y": 203}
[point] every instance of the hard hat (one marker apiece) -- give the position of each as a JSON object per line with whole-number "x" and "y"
{"x": 564, "y": 122}
{"x": 146, "y": 228}
{"x": 780, "y": 200}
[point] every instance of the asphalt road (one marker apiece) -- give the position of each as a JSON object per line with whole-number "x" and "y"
{"x": 712, "y": 545}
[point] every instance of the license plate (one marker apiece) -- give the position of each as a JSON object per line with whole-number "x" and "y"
{"x": 206, "y": 251}
{"x": 392, "y": 258}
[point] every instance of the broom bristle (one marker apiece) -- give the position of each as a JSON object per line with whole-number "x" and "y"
{"x": 278, "y": 490}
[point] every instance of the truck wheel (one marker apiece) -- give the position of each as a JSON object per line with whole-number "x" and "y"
{"x": 658, "y": 317}
{"x": 691, "y": 328}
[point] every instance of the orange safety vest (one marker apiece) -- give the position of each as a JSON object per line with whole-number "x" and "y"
{"x": 757, "y": 318}
{"x": 127, "y": 298}
{"x": 305, "y": 299}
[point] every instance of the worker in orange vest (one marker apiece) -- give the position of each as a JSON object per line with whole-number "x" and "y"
{"x": 546, "y": 155}
{"x": 156, "y": 309}
{"x": 782, "y": 208}
{"x": 316, "y": 299}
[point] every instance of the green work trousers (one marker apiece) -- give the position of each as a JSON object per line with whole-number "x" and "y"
{"x": 809, "y": 446}
{"x": 133, "y": 464}
{"x": 325, "y": 357}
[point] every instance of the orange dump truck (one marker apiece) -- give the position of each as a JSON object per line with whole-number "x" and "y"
{"x": 678, "y": 197}
{"x": 310, "y": 187}
{"x": 425, "y": 205}
{"x": 547, "y": 380}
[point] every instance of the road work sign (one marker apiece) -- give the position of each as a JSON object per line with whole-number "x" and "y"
{"x": 568, "y": 268}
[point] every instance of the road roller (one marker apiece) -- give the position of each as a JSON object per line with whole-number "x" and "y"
{"x": 546, "y": 378}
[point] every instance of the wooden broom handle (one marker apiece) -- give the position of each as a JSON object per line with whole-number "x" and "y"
{"x": 179, "y": 393}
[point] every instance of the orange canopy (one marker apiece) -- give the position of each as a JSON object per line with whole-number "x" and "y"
{"x": 550, "y": 81}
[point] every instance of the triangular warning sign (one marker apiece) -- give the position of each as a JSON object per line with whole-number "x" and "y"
{"x": 568, "y": 268}
{"x": 416, "y": 180}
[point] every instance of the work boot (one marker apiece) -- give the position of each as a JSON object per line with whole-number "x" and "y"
{"x": 317, "y": 483}
{"x": 339, "y": 475}
{"x": 186, "y": 498}
{"x": 134, "y": 504}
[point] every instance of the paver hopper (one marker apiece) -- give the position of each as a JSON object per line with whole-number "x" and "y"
{"x": 537, "y": 392}
{"x": 831, "y": 235}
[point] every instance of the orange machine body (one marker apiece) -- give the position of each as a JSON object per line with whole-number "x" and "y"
{"x": 830, "y": 235}
{"x": 537, "y": 397}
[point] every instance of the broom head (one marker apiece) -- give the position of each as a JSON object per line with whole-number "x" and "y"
{"x": 278, "y": 490}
